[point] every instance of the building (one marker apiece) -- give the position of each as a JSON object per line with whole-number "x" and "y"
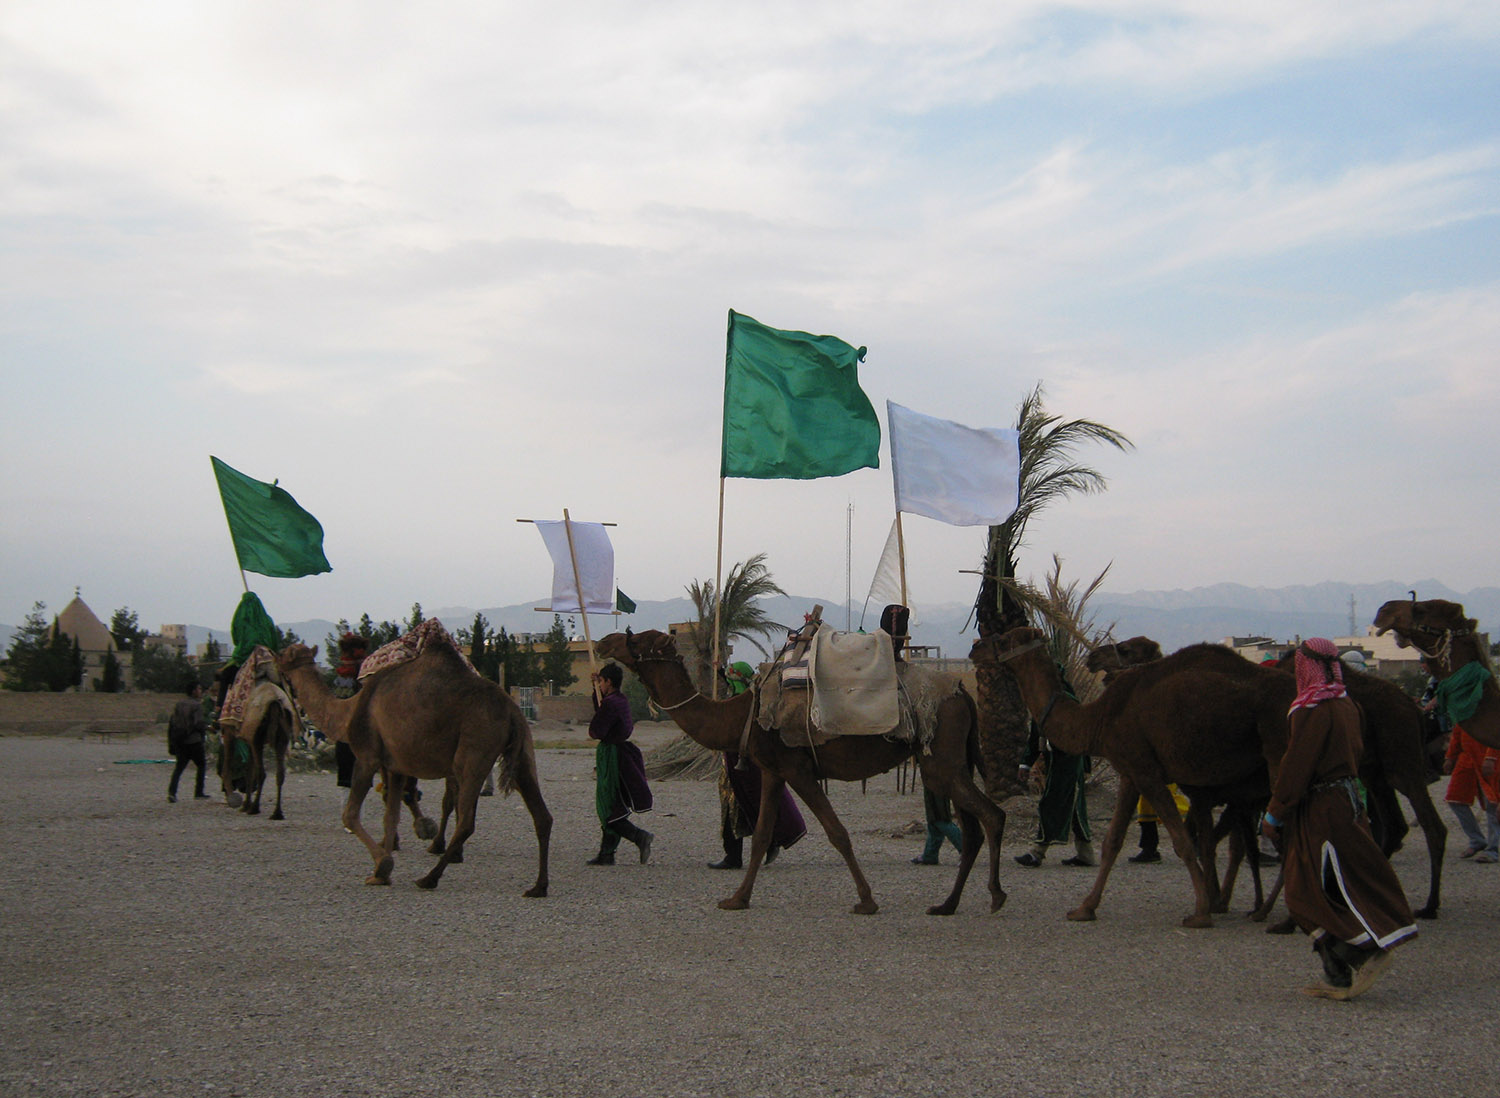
{"x": 95, "y": 642}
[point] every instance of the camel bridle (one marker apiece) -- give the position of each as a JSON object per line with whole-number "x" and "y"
{"x": 666, "y": 655}
{"x": 1057, "y": 695}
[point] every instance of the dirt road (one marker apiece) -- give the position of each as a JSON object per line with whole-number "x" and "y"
{"x": 156, "y": 949}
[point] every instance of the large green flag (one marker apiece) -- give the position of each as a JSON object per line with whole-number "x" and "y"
{"x": 272, "y": 534}
{"x": 793, "y": 408}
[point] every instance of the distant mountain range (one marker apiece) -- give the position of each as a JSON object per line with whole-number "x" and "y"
{"x": 1172, "y": 618}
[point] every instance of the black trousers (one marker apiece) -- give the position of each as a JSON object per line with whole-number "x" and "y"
{"x": 619, "y": 829}
{"x": 192, "y": 753}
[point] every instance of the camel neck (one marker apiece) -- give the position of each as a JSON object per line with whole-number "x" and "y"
{"x": 328, "y": 711}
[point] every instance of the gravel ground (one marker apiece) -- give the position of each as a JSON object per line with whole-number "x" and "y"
{"x": 156, "y": 949}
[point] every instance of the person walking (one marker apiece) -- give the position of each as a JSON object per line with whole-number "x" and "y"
{"x": 186, "y": 729}
{"x": 620, "y": 786}
{"x": 938, "y": 811}
{"x": 739, "y": 796}
{"x": 1471, "y": 769}
{"x": 1340, "y": 889}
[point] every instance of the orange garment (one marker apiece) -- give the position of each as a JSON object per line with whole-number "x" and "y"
{"x": 1468, "y": 781}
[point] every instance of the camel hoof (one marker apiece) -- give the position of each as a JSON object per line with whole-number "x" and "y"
{"x": 1081, "y": 915}
{"x": 864, "y": 907}
{"x": 377, "y": 879}
{"x": 941, "y": 909}
{"x": 425, "y": 828}
{"x": 437, "y": 848}
{"x": 1286, "y": 926}
{"x": 997, "y": 901}
{"x": 427, "y": 883}
{"x": 535, "y": 892}
{"x": 457, "y": 857}
{"x": 1198, "y": 922}
{"x": 1426, "y": 912}
{"x": 278, "y": 815}
{"x": 733, "y": 903}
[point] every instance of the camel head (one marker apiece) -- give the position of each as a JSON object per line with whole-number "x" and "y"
{"x": 1423, "y": 624}
{"x": 998, "y": 648}
{"x": 629, "y": 649}
{"x": 294, "y": 656}
{"x": 1127, "y": 653}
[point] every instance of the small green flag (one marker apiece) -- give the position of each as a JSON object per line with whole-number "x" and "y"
{"x": 793, "y": 408}
{"x": 272, "y": 535}
{"x": 623, "y": 602}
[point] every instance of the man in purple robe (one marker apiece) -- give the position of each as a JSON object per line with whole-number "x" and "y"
{"x": 620, "y": 786}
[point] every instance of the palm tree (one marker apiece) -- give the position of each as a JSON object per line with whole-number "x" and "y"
{"x": 738, "y": 616}
{"x": 1049, "y": 473}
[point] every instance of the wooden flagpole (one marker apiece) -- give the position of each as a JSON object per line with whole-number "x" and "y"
{"x": 713, "y": 672}
{"x": 583, "y": 611}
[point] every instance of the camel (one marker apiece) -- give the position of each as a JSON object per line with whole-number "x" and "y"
{"x": 1449, "y": 643}
{"x": 1394, "y": 758}
{"x": 1166, "y": 721}
{"x": 430, "y": 717}
{"x": 270, "y": 720}
{"x": 720, "y": 725}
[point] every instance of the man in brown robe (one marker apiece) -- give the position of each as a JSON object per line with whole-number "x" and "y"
{"x": 1340, "y": 888}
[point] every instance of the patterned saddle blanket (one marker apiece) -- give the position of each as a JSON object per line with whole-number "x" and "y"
{"x": 409, "y": 646}
{"x": 259, "y": 667}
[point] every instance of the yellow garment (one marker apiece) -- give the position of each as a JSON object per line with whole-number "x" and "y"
{"x": 1144, "y": 813}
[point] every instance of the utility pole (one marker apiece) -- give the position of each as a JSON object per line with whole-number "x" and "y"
{"x": 1351, "y": 613}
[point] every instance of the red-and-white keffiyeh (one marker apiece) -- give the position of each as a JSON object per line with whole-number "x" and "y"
{"x": 1316, "y": 660}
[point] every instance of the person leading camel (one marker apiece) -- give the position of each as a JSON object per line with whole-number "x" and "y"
{"x": 620, "y": 773}
{"x": 1470, "y": 766}
{"x": 1340, "y": 888}
{"x": 739, "y": 796}
{"x": 1062, "y": 810}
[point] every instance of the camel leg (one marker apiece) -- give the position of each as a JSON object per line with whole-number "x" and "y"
{"x": 1232, "y": 866}
{"x": 282, "y": 746}
{"x": 807, "y": 787}
{"x": 359, "y": 788}
{"x": 530, "y": 789}
{"x": 463, "y": 825}
{"x": 1200, "y": 827}
{"x": 1259, "y": 914}
{"x": 1114, "y": 839}
{"x": 765, "y": 822}
{"x": 1437, "y": 839}
{"x": 979, "y": 818}
{"x": 251, "y": 806}
{"x": 450, "y": 796}
{"x": 1172, "y": 819}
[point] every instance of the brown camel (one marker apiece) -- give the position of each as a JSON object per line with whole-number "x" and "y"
{"x": 270, "y": 721}
{"x": 719, "y": 725}
{"x": 1449, "y": 643}
{"x": 1111, "y": 659}
{"x": 1164, "y": 722}
{"x": 1394, "y": 758}
{"x": 430, "y": 717}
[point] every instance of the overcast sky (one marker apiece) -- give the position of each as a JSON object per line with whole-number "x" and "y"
{"x": 441, "y": 267}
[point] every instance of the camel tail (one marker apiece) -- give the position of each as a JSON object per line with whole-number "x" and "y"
{"x": 518, "y": 755}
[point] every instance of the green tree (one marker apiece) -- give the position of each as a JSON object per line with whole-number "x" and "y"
{"x": 125, "y": 627}
{"x": 482, "y": 653}
{"x": 416, "y": 618}
{"x": 210, "y": 664}
{"x": 556, "y": 659}
{"x": 1049, "y": 473}
{"x": 161, "y": 669}
{"x": 739, "y": 617}
{"x": 26, "y": 658}
{"x": 112, "y": 680}
{"x": 521, "y": 662}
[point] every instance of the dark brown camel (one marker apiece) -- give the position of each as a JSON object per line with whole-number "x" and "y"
{"x": 1164, "y": 722}
{"x": 719, "y": 725}
{"x": 430, "y": 717}
{"x": 1449, "y": 643}
{"x": 1394, "y": 752}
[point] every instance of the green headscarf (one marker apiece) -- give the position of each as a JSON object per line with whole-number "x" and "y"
{"x": 251, "y": 626}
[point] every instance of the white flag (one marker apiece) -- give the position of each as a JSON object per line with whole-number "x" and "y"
{"x": 964, "y": 476}
{"x": 885, "y": 588}
{"x": 596, "y": 567}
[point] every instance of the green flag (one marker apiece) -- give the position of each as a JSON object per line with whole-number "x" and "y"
{"x": 623, "y": 602}
{"x": 793, "y": 408}
{"x": 272, "y": 535}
